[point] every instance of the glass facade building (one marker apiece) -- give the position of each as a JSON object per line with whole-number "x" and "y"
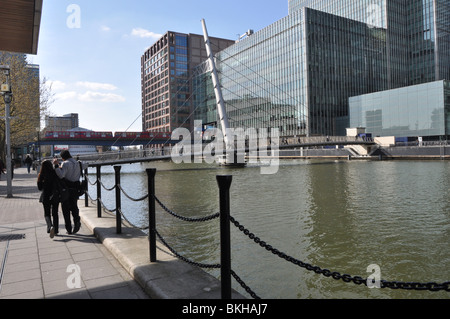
{"x": 418, "y": 34}
{"x": 418, "y": 110}
{"x": 299, "y": 73}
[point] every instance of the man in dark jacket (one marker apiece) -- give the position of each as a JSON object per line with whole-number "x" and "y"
{"x": 70, "y": 171}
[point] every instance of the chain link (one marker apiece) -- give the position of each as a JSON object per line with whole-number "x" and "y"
{"x": 243, "y": 285}
{"x": 431, "y": 286}
{"x": 187, "y": 219}
{"x": 107, "y": 189}
{"x": 130, "y": 224}
{"x": 89, "y": 181}
{"x": 173, "y": 251}
{"x": 131, "y": 198}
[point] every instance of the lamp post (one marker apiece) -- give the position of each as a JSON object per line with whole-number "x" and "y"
{"x": 38, "y": 130}
{"x": 7, "y": 97}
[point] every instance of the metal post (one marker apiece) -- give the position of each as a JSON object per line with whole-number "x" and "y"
{"x": 221, "y": 109}
{"x": 39, "y": 146}
{"x": 225, "y": 246}
{"x": 86, "y": 199}
{"x": 118, "y": 201}
{"x": 9, "y": 167}
{"x": 7, "y": 97}
{"x": 99, "y": 192}
{"x": 151, "y": 213}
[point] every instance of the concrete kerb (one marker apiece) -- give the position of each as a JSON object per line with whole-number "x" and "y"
{"x": 168, "y": 278}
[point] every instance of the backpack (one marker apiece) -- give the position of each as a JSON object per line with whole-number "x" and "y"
{"x": 82, "y": 185}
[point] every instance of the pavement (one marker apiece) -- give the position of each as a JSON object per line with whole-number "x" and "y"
{"x": 95, "y": 263}
{"x": 34, "y": 266}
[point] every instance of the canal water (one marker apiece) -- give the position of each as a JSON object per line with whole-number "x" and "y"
{"x": 338, "y": 215}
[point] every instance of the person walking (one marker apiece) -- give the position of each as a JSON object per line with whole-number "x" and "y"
{"x": 70, "y": 171}
{"x": 47, "y": 182}
{"x": 28, "y": 161}
{"x": 2, "y": 168}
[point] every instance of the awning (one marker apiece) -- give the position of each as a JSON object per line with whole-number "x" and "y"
{"x": 20, "y": 21}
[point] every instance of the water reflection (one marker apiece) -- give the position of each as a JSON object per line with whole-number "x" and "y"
{"x": 339, "y": 215}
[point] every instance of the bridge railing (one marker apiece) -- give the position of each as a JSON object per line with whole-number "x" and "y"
{"x": 318, "y": 140}
{"x": 226, "y": 220}
{"x": 126, "y": 154}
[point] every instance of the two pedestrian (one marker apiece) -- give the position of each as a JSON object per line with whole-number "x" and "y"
{"x": 69, "y": 172}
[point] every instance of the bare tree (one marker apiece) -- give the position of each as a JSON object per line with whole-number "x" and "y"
{"x": 31, "y": 101}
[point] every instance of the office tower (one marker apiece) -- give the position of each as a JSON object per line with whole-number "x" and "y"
{"x": 299, "y": 73}
{"x": 166, "y": 79}
{"x": 418, "y": 34}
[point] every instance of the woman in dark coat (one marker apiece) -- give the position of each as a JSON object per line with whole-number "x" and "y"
{"x": 48, "y": 183}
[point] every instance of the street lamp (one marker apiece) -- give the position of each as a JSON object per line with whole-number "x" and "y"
{"x": 5, "y": 90}
{"x": 38, "y": 130}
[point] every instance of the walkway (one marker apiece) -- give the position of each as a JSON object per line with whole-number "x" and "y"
{"x": 33, "y": 266}
{"x": 111, "y": 265}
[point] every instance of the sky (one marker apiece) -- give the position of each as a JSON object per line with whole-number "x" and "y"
{"x": 90, "y": 51}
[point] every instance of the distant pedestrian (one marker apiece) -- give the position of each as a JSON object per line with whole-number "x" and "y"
{"x": 48, "y": 183}
{"x": 13, "y": 164}
{"x": 69, "y": 171}
{"x": 28, "y": 161}
{"x": 2, "y": 169}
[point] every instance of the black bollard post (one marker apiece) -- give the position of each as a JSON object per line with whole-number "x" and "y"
{"x": 118, "y": 201}
{"x": 151, "y": 172}
{"x": 86, "y": 199}
{"x": 225, "y": 246}
{"x": 99, "y": 192}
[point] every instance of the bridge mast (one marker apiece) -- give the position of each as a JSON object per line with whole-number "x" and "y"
{"x": 218, "y": 92}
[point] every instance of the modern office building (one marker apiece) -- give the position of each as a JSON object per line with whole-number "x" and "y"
{"x": 166, "y": 79}
{"x": 413, "y": 111}
{"x": 298, "y": 73}
{"x": 417, "y": 39}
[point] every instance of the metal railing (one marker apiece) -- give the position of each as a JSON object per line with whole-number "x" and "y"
{"x": 225, "y": 220}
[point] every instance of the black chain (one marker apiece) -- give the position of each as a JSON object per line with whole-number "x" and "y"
{"x": 431, "y": 286}
{"x": 131, "y": 198}
{"x": 184, "y": 258}
{"x": 107, "y": 189}
{"x": 187, "y": 219}
{"x": 130, "y": 224}
{"x": 243, "y": 285}
{"x": 89, "y": 181}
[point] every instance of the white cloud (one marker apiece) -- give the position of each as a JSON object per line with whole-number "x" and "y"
{"x": 90, "y": 96}
{"x": 143, "y": 33}
{"x": 105, "y": 28}
{"x": 66, "y": 95}
{"x": 88, "y": 92}
{"x": 97, "y": 86}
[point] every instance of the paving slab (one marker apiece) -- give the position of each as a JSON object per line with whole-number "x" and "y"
{"x": 34, "y": 266}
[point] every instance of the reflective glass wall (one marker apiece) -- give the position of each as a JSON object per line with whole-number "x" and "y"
{"x": 418, "y": 34}
{"x": 264, "y": 78}
{"x": 420, "y": 110}
{"x": 298, "y": 73}
{"x": 345, "y": 58}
